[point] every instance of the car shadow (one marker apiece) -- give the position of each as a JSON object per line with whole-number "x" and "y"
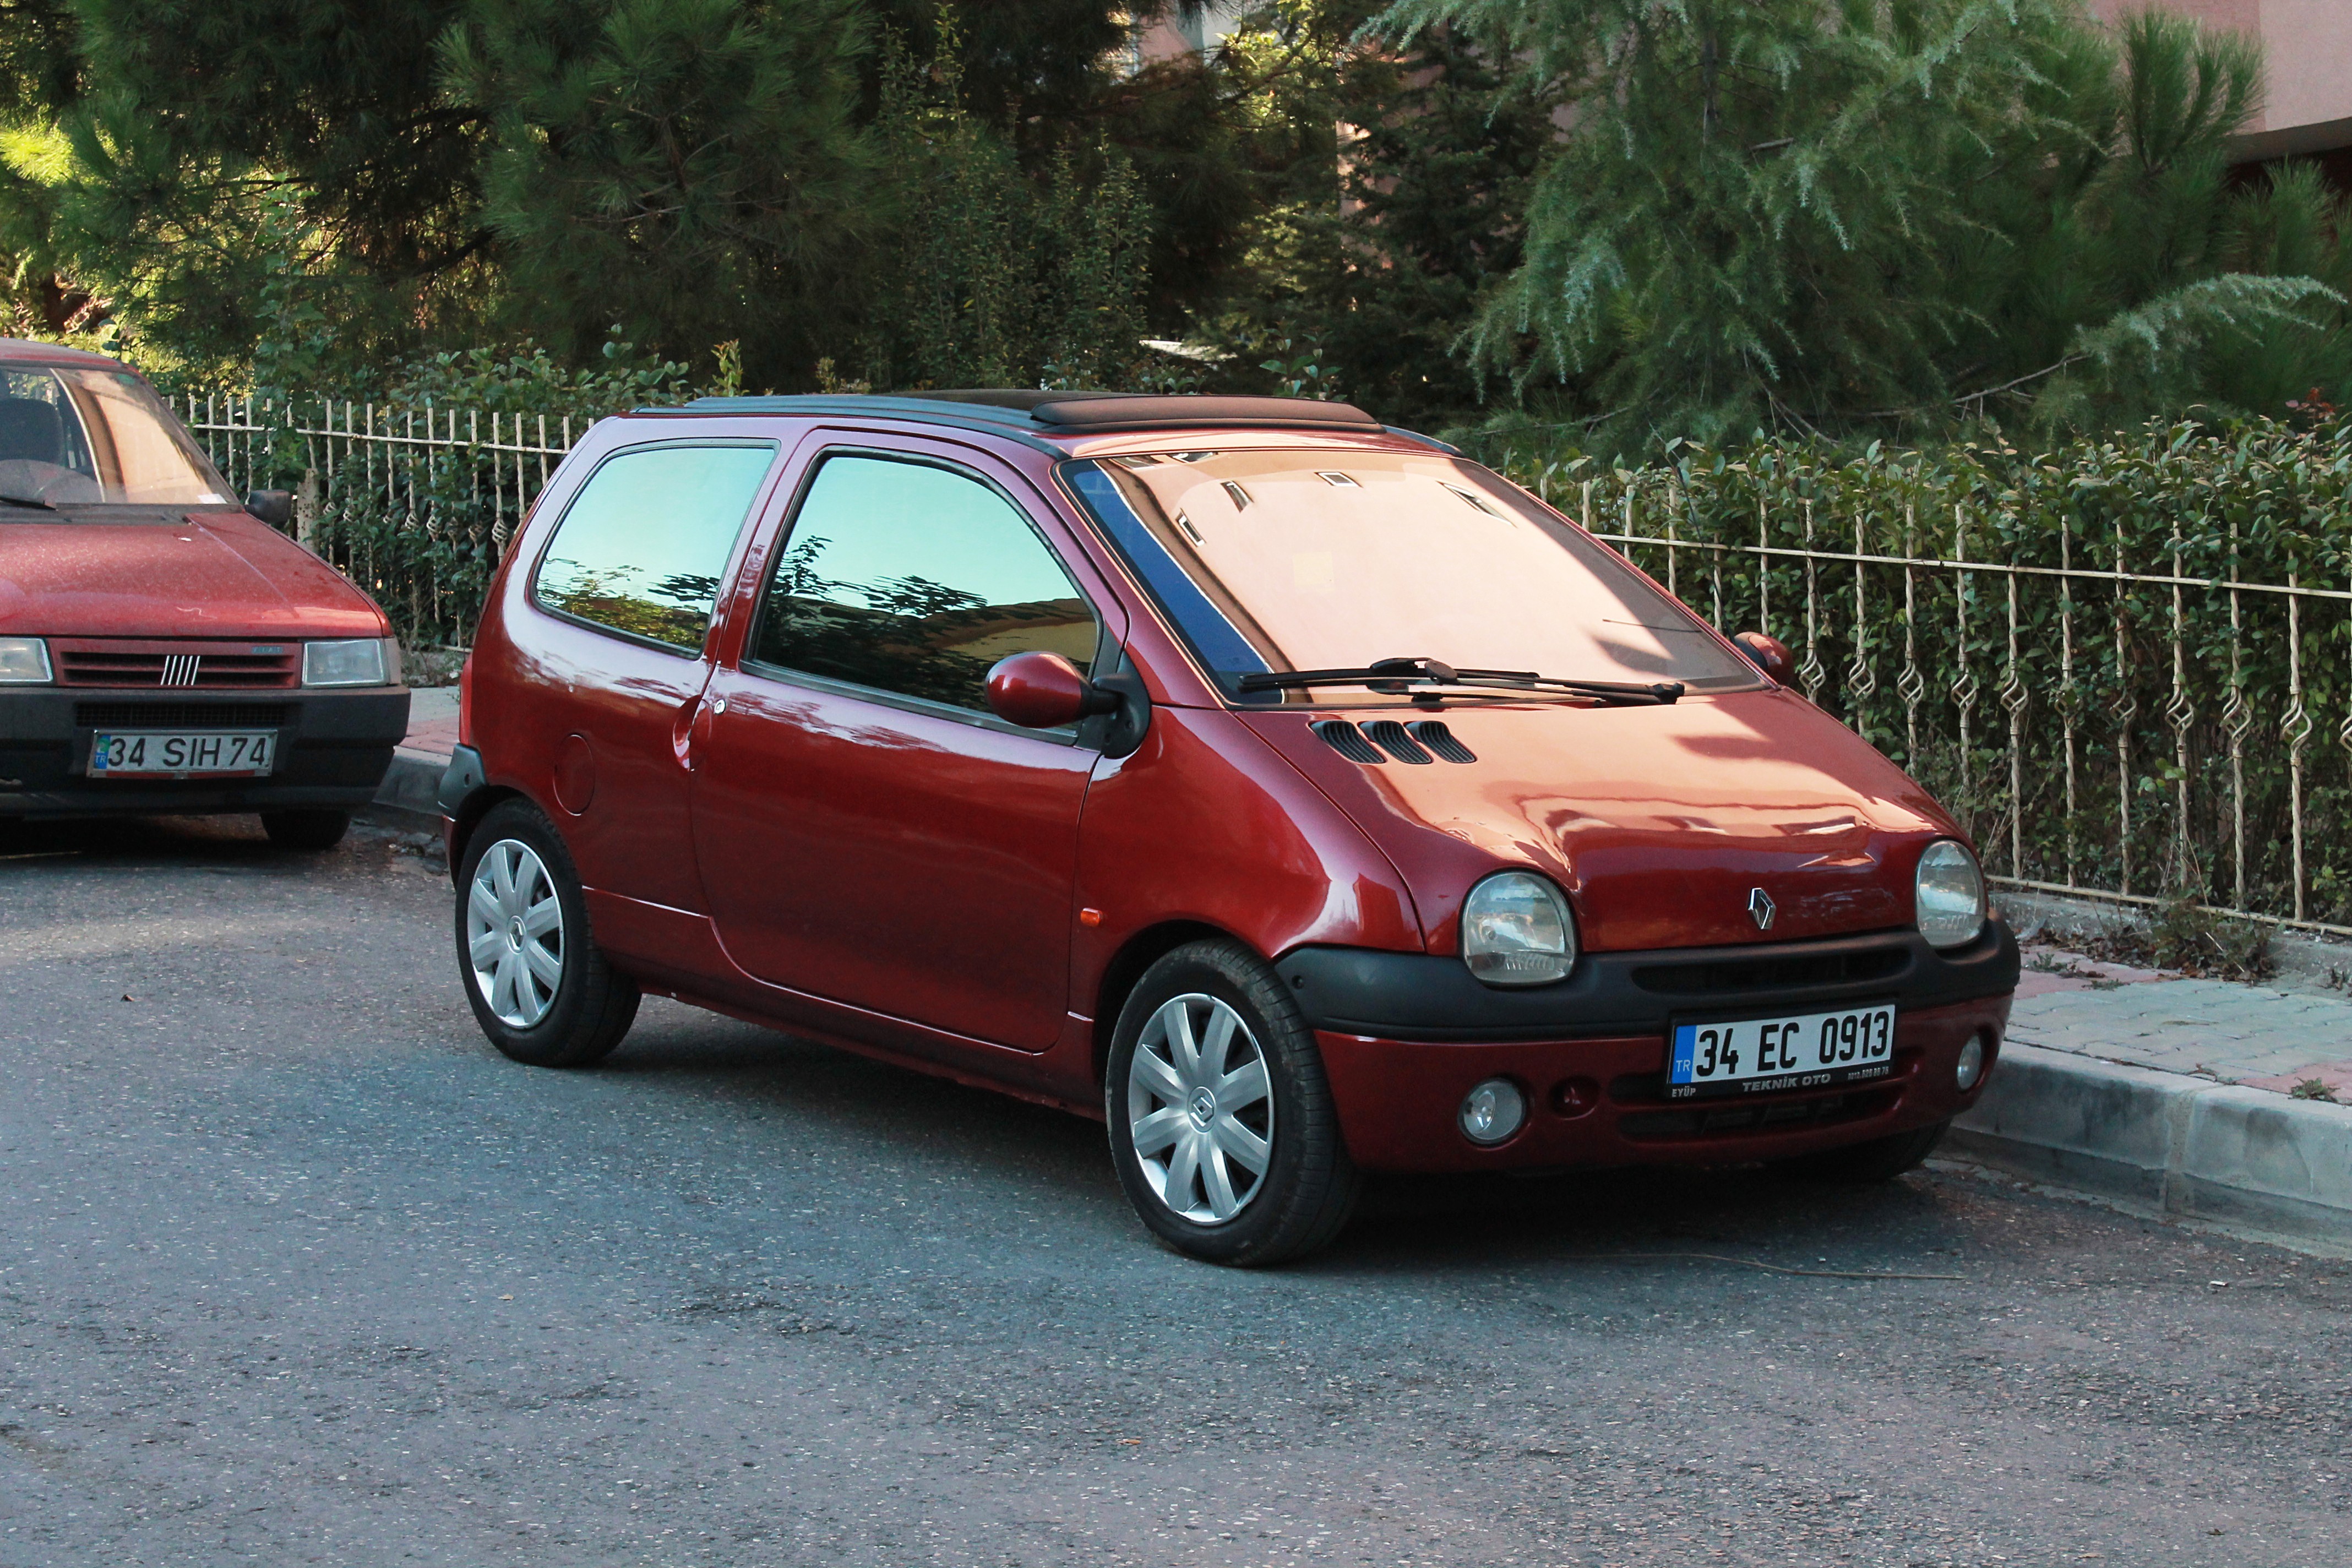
{"x": 232, "y": 840}
{"x": 1403, "y": 1224}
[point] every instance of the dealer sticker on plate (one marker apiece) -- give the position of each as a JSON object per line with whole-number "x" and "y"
{"x": 1803, "y": 1050}
{"x": 178, "y": 755}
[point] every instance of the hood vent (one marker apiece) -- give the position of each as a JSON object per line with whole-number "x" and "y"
{"x": 1348, "y": 741}
{"x": 1433, "y": 734}
{"x": 1382, "y": 738}
{"x": 1390, "y": 737}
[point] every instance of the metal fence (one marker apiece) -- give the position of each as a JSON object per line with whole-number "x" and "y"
{"x": 2109, "y": 726}
{"x": 417, "y": 504}
{"x": 2136, "y": 700}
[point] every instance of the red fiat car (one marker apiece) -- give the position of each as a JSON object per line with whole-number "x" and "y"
{"x": 162, "y": 650}
{"x": 1292, "y": 793}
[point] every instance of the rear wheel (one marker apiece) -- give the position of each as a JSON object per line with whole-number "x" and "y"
{"x": 306, "y": 829}
{"x": 539, "y": 984}
{"x": 1222, "y": 1126}
{"x": 1880, "y": 1159}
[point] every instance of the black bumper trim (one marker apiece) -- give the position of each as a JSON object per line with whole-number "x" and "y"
{"x": 333, "y": 748}
{"x": 1431, "y": 996}
{"x": 461, "y": 778}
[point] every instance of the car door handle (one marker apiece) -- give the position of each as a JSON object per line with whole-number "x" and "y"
{"x": 691, "y": 728}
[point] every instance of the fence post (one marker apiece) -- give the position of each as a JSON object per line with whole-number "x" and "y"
{"x": 1911, "y": 685}
{"x": 306, "y": 509}
{"x": 2070, "y": 695}
{"x": 2181, "y": 714}
{"x": 2295, "y": 731}
{"x": 1964, "y": 690}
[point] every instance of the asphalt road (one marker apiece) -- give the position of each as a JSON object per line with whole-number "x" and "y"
{"x": 295, "y": 1269}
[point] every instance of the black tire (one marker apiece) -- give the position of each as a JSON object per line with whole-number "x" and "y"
{"x": 1302, "y": 1196}
{"x": 1863, "y": 1164}
{"x": 311, "y": 830}
{"x": 592, "y": 1004}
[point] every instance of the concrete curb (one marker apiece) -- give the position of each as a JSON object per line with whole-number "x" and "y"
{"x": 2179, "y": 1145}
{"x": 411, "y": 785}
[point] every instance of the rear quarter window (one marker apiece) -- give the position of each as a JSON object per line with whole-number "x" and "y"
{"x": 642, "y": 547}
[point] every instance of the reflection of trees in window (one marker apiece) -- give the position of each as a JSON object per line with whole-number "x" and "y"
{"x": 695, "y": 590}
{"x": 909, "y": 635}
{"x": 611, "y": 598}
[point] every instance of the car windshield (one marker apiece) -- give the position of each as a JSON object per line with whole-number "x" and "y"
{"x": 71, "y": 436}
{"x": 1291, "y": 560}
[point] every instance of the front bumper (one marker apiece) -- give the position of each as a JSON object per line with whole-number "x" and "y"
{"x": 333, "y": 748}
{"x": 1402, "y": 1043}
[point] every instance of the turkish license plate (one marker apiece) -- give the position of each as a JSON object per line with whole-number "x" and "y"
{"x": 179, "y": 755}
{"x": 1799, "y": 1050}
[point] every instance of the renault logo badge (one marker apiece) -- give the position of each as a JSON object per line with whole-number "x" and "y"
{"x": 1759, "y": 908}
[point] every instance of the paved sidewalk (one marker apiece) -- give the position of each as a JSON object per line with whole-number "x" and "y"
{"x": 2254, "y": 1034}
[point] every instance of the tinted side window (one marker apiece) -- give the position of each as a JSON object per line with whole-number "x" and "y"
{"x": 642, "y": 546}
{"x": 915, "y": 579}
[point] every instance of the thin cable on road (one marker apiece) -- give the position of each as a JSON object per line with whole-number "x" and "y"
{"x": 1769, "y": 1268}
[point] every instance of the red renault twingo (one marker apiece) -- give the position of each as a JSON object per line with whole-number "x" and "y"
{"x": 1292, "y": 794}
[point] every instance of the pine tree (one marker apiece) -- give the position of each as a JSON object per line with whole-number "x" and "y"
{"x": 994, "y": 275}
{"x": 688, "y": 169}
{"x": 1827, "y": 213}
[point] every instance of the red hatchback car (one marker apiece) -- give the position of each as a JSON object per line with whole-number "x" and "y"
{"x": 162, "y": 648}
{"x": 1295, "y": 795}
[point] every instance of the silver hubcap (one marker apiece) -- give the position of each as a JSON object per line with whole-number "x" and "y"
{"x": 1200, "y": 1109}
{"x": 514, "y": 933}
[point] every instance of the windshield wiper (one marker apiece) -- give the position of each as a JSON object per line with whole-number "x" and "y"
{"x": 28, "y": 501}
{"x": 1393, "y": 674}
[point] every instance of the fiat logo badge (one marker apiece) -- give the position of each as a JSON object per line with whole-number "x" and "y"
{"x": 1759, "y": 908}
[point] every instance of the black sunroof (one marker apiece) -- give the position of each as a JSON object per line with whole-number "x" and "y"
{"x": 1069, "y": 411}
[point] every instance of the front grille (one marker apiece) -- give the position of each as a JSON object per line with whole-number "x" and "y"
{"x": 1745, "y": 1121}
{"x": 180, "y": 715}
{"x": 1776, "y": 973}
{"x": 215, "y": 666}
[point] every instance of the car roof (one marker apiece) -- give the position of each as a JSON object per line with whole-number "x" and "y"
{"x": 52, "y": 353}
{"x": 1030, "y": 415}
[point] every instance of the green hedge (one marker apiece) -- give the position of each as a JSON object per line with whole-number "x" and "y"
{"x": 2266, "y": 502}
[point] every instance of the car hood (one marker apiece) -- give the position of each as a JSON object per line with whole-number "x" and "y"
{"x": 214, "y": 574}
{"x": 1660, "y": 821}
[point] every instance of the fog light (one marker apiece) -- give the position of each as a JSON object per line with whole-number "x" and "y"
{"x": 1493, "y": 1111}
{"x": 1972, "y": 1066}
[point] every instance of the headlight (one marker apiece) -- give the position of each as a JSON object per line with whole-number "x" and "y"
{"x": 355, "y": 663}
{"x": 1949, "y": 895}
{"x": 24, "y": 661}
{"x": 1517, "y": 931}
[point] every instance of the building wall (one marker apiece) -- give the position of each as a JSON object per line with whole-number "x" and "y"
{"x": 2308, "y": 47}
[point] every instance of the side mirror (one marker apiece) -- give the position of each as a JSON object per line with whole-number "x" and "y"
{"x": 275, "y": 508}
{"x": 1044, "y": 691}
{"x": 1770, "y": 655}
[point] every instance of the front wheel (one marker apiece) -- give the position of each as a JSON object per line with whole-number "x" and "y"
{"x": 1863, "y": 1165}
{"x": 1222, "y": 1126}
{"x": 540, "y": 986}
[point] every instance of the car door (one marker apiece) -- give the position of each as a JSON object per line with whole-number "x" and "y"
{"x": 868, "y": 832}
{"x": 628, "y": 582}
